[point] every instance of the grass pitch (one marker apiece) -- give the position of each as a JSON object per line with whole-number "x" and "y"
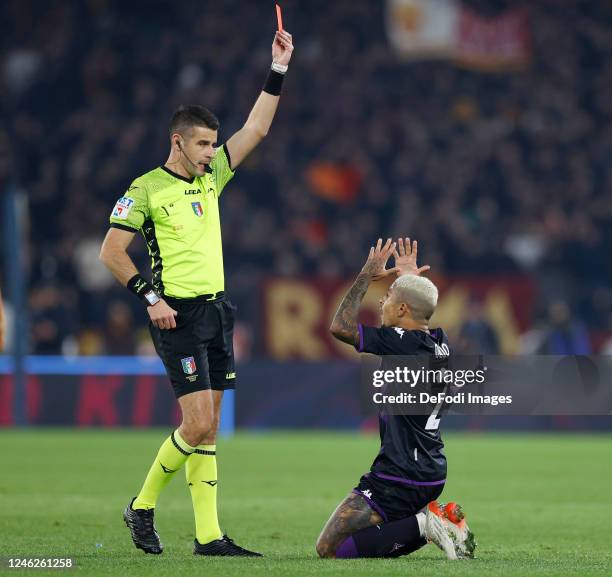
{"x": 539, "y": 504}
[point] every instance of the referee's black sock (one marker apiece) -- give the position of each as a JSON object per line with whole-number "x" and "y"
{"x": 386, "y": 540}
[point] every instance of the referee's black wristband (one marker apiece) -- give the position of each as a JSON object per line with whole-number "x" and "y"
{"x": 274, "y": 83}
{"x": 143, "y": 290}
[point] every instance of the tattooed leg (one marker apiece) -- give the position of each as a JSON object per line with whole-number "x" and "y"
{"x": 352, "y": 515}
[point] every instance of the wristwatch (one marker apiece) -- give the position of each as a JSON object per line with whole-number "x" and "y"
{"x": 151, "y": 298}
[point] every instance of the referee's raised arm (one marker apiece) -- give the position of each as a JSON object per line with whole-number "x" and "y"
{"x": 260, "y": 119}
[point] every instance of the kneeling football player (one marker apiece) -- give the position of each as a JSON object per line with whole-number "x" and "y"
{"x": 393, "y": 510}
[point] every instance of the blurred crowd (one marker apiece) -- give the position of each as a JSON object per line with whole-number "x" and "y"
{"x": 497, "y": 174}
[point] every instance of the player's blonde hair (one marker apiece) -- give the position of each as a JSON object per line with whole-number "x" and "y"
{"x": 418, "y": 292}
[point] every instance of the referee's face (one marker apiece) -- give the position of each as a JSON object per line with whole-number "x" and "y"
{"x": 199, "y": 149}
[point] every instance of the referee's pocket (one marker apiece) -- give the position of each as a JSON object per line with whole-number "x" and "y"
{"x": 177, "y": 217}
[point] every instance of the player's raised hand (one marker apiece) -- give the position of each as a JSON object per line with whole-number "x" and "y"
{"x": 282, "y": 47}
{"x": 406, "y": 258}
{"x": 162, "y": 315}
{"x": 377, "y": 260}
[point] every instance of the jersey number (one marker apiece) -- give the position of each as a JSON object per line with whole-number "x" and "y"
{"x": 433, "y": 422}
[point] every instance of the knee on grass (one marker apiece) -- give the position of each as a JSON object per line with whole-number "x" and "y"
{"x": 324, "y": 549}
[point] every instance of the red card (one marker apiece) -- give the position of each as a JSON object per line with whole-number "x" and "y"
{"x": 279, "y": 17}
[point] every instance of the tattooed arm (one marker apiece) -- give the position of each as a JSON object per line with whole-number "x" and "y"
{"x": 352, "y": 515}
{"x": 344, "y": 325}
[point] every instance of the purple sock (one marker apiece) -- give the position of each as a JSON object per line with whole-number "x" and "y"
{"x": 387, "y": 540}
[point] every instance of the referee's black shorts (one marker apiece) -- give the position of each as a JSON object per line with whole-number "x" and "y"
{"x": 199, "y": 353}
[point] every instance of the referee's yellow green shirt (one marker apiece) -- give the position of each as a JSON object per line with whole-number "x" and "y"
{"x": 179, "y": 219}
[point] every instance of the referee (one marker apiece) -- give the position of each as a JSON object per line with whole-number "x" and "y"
{"x": 176, "y": 207}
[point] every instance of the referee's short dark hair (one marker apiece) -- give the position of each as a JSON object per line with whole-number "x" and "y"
{"x": 188, "y": 116}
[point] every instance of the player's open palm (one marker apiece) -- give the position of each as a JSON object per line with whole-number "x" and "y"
{"x": 282, "y": 47}
{"x": 406, "y": 258}
{"x": 162, "y": 315}
{"x": 375, "y": 266}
